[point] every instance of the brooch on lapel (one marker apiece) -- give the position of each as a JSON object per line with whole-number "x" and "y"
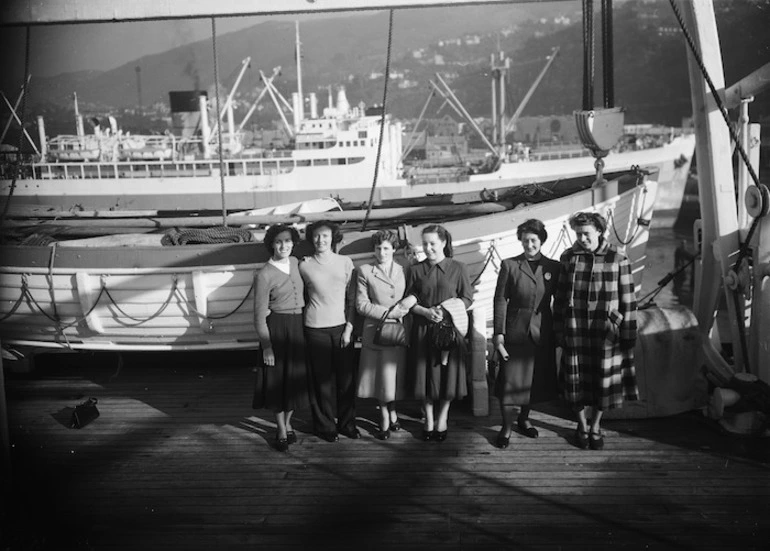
{"x": 547, "y": 276}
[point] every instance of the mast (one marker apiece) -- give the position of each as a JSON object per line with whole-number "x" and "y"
{"x": 301, "y": 110}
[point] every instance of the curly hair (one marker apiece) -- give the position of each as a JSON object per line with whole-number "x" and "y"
{"x": 386, "y": 235}
{"x": 588, "y": 219}
{"x": 533, "y": 225}
{"x": 443, "y": 235}
{"x": 333, "y": 227}
{"x": 274, "y": 231}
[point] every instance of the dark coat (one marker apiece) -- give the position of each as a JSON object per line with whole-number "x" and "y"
{"x": 522, "y": 306}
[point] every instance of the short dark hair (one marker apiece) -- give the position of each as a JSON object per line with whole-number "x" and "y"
{"x": 386, "y": 235}
{"x": 533, "y": 225}
{"x": 588, "y": 219}
{"x": 315, "y": 226}
{"x": 276, "y": 229}
{"x": 443, "y": 234}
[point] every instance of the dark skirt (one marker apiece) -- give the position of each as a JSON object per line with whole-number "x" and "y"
{"x": 284, "y": 386}
{"x": 424, "y": 372}
{"x": 528, "y": 377}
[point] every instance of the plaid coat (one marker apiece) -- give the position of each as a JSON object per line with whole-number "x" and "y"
{"x": 595, "y": 321}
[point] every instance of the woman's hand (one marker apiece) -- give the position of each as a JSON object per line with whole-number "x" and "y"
{"x": 436, "y": 314}
{"x": 347, "y": 335}
{"x": 398, "y": 312}
{"x": 268, "y": 356}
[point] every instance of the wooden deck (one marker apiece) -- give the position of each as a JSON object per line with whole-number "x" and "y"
{"x": 178, "y": 460}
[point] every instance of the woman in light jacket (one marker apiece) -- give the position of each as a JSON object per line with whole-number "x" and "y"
{"x": 523, "y": 330}
{"x": 381, "y": 285}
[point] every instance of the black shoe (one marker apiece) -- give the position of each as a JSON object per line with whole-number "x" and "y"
{"x": 427, "y": 435}
{"x": 291, "y": 436}
{"x": 383, "y": 434}
{"x": 328, "y": 436}
{"x": 281, "y": 444}
{"x": 440, "y": 435}
{"x": 529, "y": 432}
{"x": 596, "y": 441}
{"x": 502, "y": 441}
{"x": 581, "y": 438}
{"x": 395, "y": 426}
{"x": 353, "y": 433}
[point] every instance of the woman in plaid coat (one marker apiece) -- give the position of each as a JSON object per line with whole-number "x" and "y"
{"x": 595, "y": 323}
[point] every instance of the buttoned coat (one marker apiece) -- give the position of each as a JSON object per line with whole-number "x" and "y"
{"x": 375, "y": 293}
{"x": 522, "y": 305}
{"x": 595, "y": 320}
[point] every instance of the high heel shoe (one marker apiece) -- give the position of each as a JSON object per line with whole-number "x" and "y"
{"x": 291, "y": 437}
{"x": 581, "y": 438}
{"x": 427, "y": 435}
{"x": 383, "y": 434}
{"x": 528, "y": 431}
{"x": 281, "y": 444}
{"x": 395, "y": 426}
{"x": 502, "y": 441}
{"x": 440, "y": 435}
{"x": 595, "y": 440}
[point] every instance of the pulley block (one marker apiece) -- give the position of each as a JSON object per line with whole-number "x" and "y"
{"x": 600, "y": 129}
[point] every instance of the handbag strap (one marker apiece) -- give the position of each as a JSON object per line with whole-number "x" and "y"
{"x": 388, "y": 311}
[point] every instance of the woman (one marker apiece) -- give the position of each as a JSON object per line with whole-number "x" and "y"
{"x": 328, "y": 279}
{"x": 523, "y": 327}
{"x": 281, "y": 382}
{"x": 595, "y": 321}
{"x": 381, "y": 285}
{"x": 435, "y": 377}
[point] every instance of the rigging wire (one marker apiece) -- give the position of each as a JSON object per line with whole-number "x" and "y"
{"x": 219, "y": 126}
{"x": 744, "y": 248}
{"x": 382, "y": 121}
{"x": 24, "y": 89}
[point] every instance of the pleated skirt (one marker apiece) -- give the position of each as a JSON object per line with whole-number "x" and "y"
{"x": 284, "y": 386}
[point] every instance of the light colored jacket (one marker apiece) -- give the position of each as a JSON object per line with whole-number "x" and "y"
{"x": 375, "y": 293}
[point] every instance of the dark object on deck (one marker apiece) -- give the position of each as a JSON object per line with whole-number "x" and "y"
{"x": 84, "y": 414}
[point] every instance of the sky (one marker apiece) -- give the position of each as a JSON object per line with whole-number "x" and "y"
{"x": 66, "y": 48}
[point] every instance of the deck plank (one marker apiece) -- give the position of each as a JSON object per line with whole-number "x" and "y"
{"x": 178, "y": 460}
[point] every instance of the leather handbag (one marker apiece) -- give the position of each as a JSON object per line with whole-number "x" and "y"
{"x": 390, "y": 332}
{"x": 444, "y": 334}
{"x": 84, "y": 413}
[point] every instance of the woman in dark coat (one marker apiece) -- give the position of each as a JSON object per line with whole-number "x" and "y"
{"x": 595, "y": 322}
{"x": 432, "y": 375}
{"x": 523, "y": 328}
{"x": 281, "y": 381}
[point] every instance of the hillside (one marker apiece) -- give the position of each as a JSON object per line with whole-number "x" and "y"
{"x": 650, "y": 60}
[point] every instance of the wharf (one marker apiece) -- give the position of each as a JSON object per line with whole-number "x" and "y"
{"x": 179, "y": 460}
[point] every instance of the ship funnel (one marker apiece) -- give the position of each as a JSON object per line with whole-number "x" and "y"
{"x": 187, "y": 110}
{"x": 342, "y": 101}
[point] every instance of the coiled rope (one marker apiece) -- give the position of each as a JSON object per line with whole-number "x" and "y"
{"x": 195, "y": 236}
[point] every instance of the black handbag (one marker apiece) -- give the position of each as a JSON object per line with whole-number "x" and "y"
{"x": 443, "y": 334}
{"x": 390, "y": 332}
{"x": 84, "y": 413}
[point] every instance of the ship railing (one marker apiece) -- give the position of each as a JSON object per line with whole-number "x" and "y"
{"x": 179, "y": 169}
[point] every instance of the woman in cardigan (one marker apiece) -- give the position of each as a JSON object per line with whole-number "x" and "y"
{"x": 434, "y": 377}
{"x": 329, "y": 314}
{"x": 595, "y": 321}
{"x": 381, "y": 285}
{"x": 281, "y": 382}
{"x": 523, "y": 331}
